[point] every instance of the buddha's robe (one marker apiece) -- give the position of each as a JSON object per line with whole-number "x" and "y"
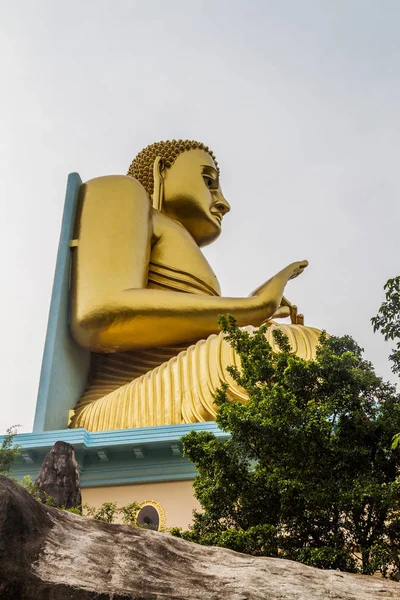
{"x": 174, "y": 384}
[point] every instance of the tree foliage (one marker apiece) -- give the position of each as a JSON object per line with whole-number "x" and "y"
{"x": 9, "y": 451}
{"x": 308, "y": 472}
{"x": 387, "y": 321}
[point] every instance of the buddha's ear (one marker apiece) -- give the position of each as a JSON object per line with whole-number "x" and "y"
{"x": 158, "y": 177}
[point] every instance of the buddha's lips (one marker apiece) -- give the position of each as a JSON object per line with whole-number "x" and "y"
{"x": 218, "y": 215}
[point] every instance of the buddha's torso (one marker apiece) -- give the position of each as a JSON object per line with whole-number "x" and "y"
{"x": 174, "y": 249}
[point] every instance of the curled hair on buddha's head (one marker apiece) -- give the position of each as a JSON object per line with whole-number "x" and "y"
{"x": 142, "y": 166}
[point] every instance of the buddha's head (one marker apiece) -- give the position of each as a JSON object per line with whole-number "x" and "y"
{"x": 182, "y": 179}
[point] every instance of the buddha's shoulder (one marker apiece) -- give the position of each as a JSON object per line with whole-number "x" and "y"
{"x": 117, "y": 186}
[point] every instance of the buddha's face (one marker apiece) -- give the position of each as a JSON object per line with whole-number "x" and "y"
{"x": 193, "y": 197}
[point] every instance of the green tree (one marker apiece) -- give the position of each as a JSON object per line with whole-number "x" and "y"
{"x": 308, "y": 472}
{"x": 387, "y": 321}
{"x": 9, "y": 451}
{"x": 107, "y": 512}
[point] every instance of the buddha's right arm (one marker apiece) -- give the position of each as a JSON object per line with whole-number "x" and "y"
{"x": 111, "y": 308}
{"x": 145, "y": 318}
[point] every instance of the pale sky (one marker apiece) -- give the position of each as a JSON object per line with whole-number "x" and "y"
{"x": 299, "y": 100}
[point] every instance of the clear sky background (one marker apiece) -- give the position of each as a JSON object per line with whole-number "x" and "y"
{"x": 299, "y": 99}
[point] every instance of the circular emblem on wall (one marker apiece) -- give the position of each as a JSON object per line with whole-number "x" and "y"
{"x": 151, "y": 515}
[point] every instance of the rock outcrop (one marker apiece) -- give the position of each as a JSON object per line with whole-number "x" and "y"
{"x": 59, "y": 477}
{"x": 48, "y": 554}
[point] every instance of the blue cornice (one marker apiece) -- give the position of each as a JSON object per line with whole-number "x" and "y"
{"x": 125, "y": 456}
{"x": 81, "y": 438}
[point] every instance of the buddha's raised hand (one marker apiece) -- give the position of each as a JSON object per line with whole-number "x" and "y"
{"x": 270, "y": 293}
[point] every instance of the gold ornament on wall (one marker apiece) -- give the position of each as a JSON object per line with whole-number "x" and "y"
{"x": 162, "y": 522}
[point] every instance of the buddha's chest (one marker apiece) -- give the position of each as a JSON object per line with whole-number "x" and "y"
{"x": 173, "y": 247}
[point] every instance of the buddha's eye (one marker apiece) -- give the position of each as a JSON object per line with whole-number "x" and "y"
{"x": 208, "y": 181}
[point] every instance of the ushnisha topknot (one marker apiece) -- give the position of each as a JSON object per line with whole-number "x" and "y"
{"x": 142, "y": 165}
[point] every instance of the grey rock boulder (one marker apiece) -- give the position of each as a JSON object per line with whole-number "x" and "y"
{"x": 59, "y": 477}
{"x": 48, "y": 554}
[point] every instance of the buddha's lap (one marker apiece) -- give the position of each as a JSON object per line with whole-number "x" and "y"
{"x": 182, "y": 389}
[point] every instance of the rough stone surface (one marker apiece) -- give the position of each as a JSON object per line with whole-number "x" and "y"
{"x": 48, "y": 554}
{"x": 59, "y": 476}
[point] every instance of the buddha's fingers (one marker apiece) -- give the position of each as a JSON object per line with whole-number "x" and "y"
{"x": 298, "y": 268}
{"x": 290, "y": 272}
{"x": 271, "y": 292}
{"x": 277, "y": 283}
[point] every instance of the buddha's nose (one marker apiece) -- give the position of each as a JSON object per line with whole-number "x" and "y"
{"x": 222, "y": 204}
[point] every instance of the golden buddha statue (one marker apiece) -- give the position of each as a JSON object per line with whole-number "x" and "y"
{"x": 145, "y": 301}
